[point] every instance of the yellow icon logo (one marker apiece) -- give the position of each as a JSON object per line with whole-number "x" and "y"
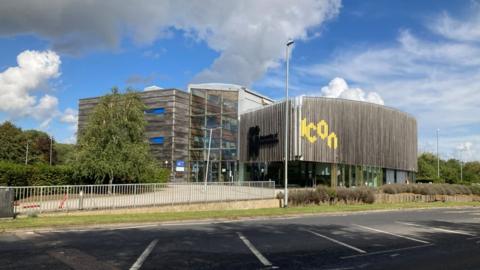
{"x": 321, "y": 128}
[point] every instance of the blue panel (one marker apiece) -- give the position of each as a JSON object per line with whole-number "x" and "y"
{"x": 156, "y": 111}
{"x": 156, "y": 140}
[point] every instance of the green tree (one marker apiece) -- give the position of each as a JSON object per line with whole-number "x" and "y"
{"x": 450, "y": 171}
{"x": 12, "y": 144}
{"x": 427, "y": 167}
{"x": 65, "y": 153}
{"x": 39, "y": 147}
{"x": 112, "y": 148}
{"x": 471, "y": 172}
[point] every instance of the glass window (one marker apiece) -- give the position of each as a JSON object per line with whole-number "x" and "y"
{"x": 157, "y": 111}
{"x": 213, "y": 121}
{"x": 157, "y": 140}
{"x": 198, "y": 102}
{"x": 229, "y": 154}
{"x": 230, "y": 102}
{"x": 197, "y": 171}
{"x": 229, "y": 139}
{"x": 198, "y": 93}
{"x": 214, "y": 154}
{"x": 198, "y": 141}
{"x": 213, "y": 102}
{"x": 230, "y": 123}
{"x": 198, "y": 122}
{"x": 197, "y": 155}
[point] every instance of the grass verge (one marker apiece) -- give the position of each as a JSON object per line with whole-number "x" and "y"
{"x": 62, "y": 221}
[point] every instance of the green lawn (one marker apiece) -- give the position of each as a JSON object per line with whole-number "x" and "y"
{"x": 62, "y": 221}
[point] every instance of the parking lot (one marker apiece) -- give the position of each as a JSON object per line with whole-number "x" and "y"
{"x": 414, "y": 239}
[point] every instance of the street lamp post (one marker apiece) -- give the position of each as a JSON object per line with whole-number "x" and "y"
{"x": 461, "y": 167}
{"x": 438, "y": 158}
{"x": 208, "y": 157}
{"x": 26, "y": 155}
{"x": 289, "y": 43}
{"x": 51, "y": 145}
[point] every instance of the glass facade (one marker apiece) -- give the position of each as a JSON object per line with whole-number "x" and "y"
{"x": 352, "y": 176}
{"x": 308, "y": 174}
{"x": 216, "y": 110}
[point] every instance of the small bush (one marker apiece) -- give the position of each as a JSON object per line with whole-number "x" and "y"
{"x": 323, "y": 194}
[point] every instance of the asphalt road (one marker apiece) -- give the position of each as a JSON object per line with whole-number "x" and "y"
{"x": 416, "y": 239}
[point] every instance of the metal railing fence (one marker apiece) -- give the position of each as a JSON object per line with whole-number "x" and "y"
{"x": 89, "y": 197}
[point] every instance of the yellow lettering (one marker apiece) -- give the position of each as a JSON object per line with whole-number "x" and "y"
{"x": 306, "y": 131}
{"x": 332, "y": 140}
{"x": 322, "y": 129}
{"x": 311, "y": 138}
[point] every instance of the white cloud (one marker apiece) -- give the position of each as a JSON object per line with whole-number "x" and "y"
{"x": 456, "y": 29}
{"x": 338, "y": 88}
{"x": 152, "y": 87}
{"x": 249, "y": 40}
{"x": 70, "y": 116}
{"x": 465, "y": 150}
{"x": 46, "y": 110}
{"x": 18, "y": 84}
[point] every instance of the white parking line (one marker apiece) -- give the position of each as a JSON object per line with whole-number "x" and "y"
{"x": 254, "y": 250}
{"x": 338, "y": 242}
{"x": 437, "y": 229}
{"x": 394, "y": 234}
{"x": 385, "y": 251}
{"x": 144, "y": 255}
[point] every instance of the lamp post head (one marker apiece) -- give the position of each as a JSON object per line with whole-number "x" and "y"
{"x": 290, "y": 42}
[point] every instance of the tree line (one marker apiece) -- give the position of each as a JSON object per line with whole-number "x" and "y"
{"x": 451, "y": 171}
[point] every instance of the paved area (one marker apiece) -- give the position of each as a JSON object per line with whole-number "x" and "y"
{"x": 415, "y": 239}
{"x": 169, "y": 195}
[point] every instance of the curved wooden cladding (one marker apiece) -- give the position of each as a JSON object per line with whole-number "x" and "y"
{"x": 270, "y": 119}
{"x": 368, "y": 134}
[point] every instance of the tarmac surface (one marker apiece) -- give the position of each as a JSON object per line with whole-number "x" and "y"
{"x": 414, "y": 239}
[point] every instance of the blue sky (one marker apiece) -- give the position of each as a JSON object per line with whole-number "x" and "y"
{"x": 417, "y": 56}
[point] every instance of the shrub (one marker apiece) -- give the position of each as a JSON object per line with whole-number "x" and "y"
{"x": 431, "y": 189}
{"x": 323, "y": 194}
{"x": 36, "y": 175}
{"x": 475, "y": 190}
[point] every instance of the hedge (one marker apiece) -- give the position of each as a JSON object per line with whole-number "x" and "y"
{"x": 12, "y": 174}
{"x": 36, "y": 175}
{"x": 431, "y": 189}
{"x": 323, "y": 194}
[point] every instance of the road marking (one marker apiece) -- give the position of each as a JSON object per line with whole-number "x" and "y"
{"x": 144, "y": 255}
{"x": 338, "y": 242}
{"x": 437, "y": 229}
{"x": 394, "y": 234}
{"x": 385, "y": 251}
{"x": 254, "y": 250}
